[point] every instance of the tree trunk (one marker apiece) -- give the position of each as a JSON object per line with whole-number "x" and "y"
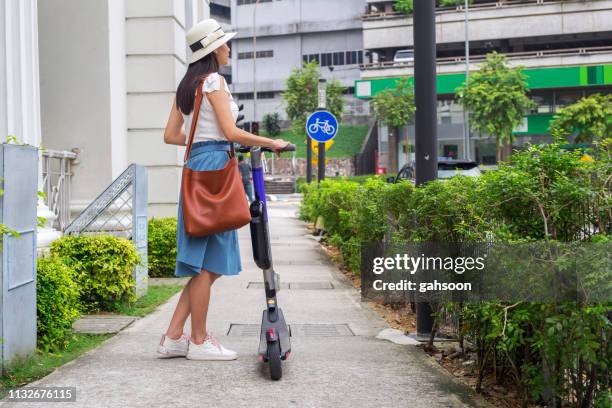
{"x": 503, "y": 152}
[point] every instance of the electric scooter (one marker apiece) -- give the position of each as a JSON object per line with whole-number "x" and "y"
{"x": 274, "y": 342}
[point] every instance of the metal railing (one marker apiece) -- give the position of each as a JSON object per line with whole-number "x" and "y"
{"x": 56, "y": 173}
{"x": 112, "y": 211}
{"x": 476, "y": 6}
{"x": 479, "y": 58}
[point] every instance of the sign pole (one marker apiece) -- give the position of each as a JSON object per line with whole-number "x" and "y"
{"x": 426, "y": 123}
{"x": 308, "y": 159}
{"x": 322, "y": 107}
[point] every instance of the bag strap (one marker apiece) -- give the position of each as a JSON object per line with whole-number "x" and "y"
{"x": 194, "y": 122}
{"x": 194, "y": 119}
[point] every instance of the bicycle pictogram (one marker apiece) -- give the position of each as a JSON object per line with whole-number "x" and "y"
{"x": 323, "y": 126}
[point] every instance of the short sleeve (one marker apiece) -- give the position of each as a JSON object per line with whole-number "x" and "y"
{"x": 213, "y": 83}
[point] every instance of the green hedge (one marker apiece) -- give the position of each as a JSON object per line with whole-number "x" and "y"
{"x": 162, "y": 247}
{"x": 541, "y": 195}
{"x": 103, "y": 267}
{"x": 57, "y": 302}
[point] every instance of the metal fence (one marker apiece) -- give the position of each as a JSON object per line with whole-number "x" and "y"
{"x": 56, "y": 173}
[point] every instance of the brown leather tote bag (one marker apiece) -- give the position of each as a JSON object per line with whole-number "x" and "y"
{"x": 213, "y": 200}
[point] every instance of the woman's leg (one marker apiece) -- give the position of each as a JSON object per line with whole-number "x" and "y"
{"x": 199, "y": 297}
{"x": 175, "y": 329}
{"x": 182, "y": 311}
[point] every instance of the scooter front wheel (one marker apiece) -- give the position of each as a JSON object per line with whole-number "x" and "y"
{"x": 274, "y": 359}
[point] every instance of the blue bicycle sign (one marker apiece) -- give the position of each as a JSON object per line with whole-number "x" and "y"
{"x": 322, "y": 126}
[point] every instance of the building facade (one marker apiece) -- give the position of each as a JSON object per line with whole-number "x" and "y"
{"x": 108, "y": 73}
{"x": 565, "y": 48}
{"x": 288, "y": 32}
{"x": 93, "y": 81}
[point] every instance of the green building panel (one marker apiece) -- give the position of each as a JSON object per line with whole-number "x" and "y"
{"x": 537, "y": 124}
{"x": 537, "y": 78}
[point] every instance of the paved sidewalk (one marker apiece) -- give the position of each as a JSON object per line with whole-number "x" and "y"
{"x": 323, "y": 371}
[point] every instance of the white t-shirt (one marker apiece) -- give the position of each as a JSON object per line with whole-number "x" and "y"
{"x": 208, "y": 126}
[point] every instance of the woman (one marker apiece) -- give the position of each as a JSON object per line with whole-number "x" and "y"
{"x": 205, "y": 258}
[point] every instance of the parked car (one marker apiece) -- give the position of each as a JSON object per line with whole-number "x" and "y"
{"x": 446, "y": 168}
{"x": 402, "y": 56}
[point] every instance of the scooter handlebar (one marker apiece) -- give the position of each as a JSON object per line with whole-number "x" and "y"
{"x": 245, "y": 149}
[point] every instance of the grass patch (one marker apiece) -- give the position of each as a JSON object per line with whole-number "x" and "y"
{"x": 156, "y": 295}
{"x": 347, "y": 142}
{"x": 24, "y": 370}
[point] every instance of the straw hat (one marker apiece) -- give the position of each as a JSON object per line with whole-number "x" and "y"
{"x": 206, "y": 36}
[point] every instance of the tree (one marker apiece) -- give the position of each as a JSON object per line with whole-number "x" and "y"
{"x": 590, "y": 119}
{"x": 496, "y": 95}
{"x": 271, "y": 124}
{"x": 404, "y": 6}
{"x": 395, "y": 107}
{"x": 301, "y": 97}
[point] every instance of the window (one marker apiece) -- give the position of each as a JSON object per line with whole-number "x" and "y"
{"x": 265, "y": 54}
{"x": 246, "y": 96}
{"x": 360, "y": 57}
{"x": 351, "y": 57}
{"x": 265, "y": 95}
{"x": 244, "y": 2}
{"x": 338, "y": 58}
{"x": 314, "y": 57}
{"x": 222, "y": 12}
{"x": 326, "y": 59}
{"x": 260, "y": 54}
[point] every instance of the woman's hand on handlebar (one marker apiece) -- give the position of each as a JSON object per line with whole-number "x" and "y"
{"x": 278, "y": 145}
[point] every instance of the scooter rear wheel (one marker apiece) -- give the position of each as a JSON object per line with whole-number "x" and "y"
{"x": 274, "y": 359}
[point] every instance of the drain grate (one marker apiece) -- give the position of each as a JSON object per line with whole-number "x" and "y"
{"x": 300, "y": 330}
{"x": 260, "y": 285}
{"x": 295, "y": 285}
{"x": 321, "y": 330}
{"x": 243, "y": 330}
{"x": 311, "y": 285}
{"x": 302, "y": 263}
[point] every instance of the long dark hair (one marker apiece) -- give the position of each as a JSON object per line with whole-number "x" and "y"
{"x": 185, "y": 93}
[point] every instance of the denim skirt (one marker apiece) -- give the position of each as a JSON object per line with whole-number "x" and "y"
{"x": 218, "y": 253}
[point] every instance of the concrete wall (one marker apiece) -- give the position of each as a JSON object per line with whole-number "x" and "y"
{"x": 156, "y": 61}
{"x": 109, "y": 70}
{"x": 82, "y": 88}
{"x": 509, "y": 21}
{"x": 19, "y": 91}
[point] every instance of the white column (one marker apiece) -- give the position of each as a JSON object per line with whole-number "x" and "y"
{"x": 19, "y": 89}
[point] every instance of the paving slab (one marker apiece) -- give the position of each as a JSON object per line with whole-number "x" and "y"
{"x": 100, "y": 324}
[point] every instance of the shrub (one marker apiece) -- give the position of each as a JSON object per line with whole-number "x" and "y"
{"x": 271, "y": 123}
{"x": 556, "y": 353}
{"x": 162, "y": 246}
{"x": 103, "y": 267}
{"x": 57, "y": 302}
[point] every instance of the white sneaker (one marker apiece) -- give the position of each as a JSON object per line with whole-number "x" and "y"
{"x": 173, "y": 348}
{"x": 210, "y": 349}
